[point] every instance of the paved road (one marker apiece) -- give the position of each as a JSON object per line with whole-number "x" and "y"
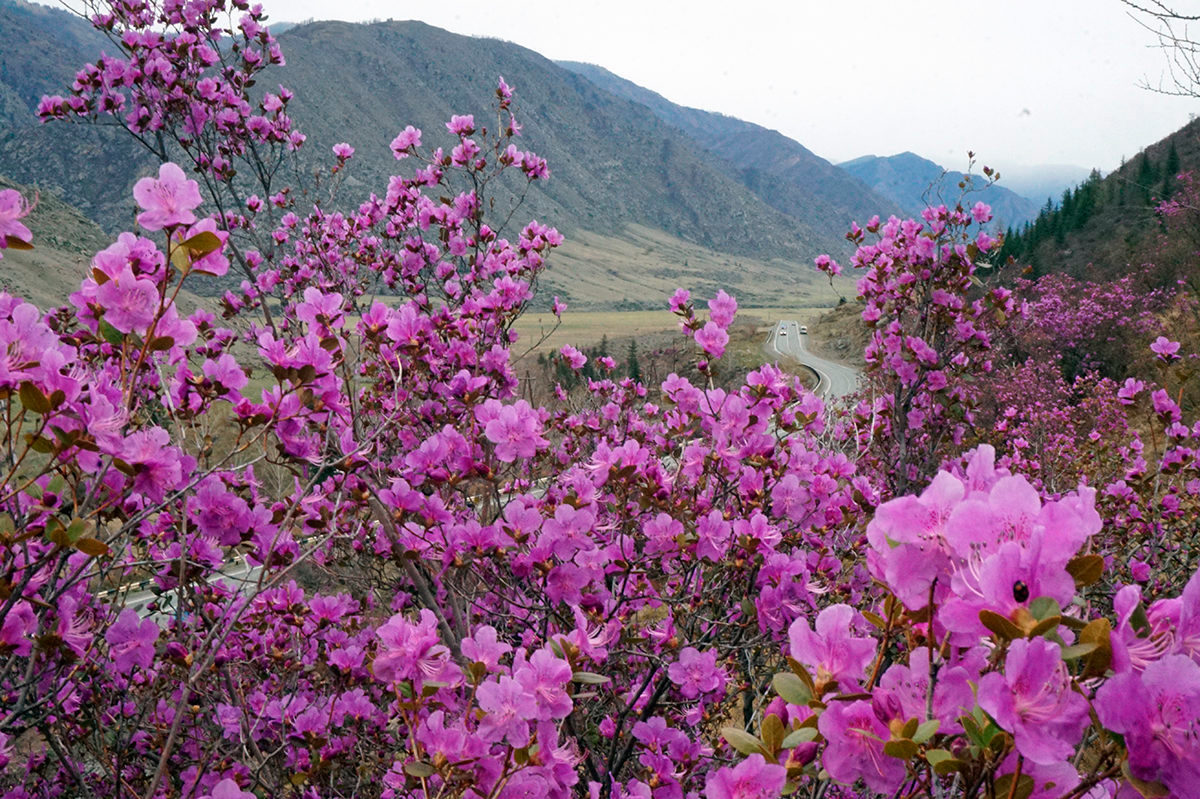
{"x": 834, "y": 380}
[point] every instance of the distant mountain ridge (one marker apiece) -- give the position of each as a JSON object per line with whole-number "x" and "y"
{"x": 616, "y": 166}
{"x": 784, "y": 173}
{"x": 913, "y": 182}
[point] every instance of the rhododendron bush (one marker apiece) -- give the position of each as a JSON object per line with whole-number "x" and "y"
{"x": 318, "y": 547}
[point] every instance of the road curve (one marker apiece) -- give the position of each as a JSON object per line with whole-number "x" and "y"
{"x": 834, "y": 380}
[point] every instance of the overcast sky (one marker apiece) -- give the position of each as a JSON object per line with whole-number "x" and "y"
{"x": 1017, "y": 81}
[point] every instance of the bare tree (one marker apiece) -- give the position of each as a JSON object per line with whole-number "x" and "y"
{"x": 1182, "y": 51}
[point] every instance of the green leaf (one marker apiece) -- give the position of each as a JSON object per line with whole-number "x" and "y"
{"x": 800, "y": 736}
{"x": 1024, "y": 787}
{"x": 1044, "y": 607}
{"x": 901, "y": 749}
{"x": 1085, "y": 569}
{"x": 744, "y": 742}
{"x": 419, "y": 769}
{"x": 1079, "y": 650}
{"x": 33, "y": 399}
{"x": 201, "y": 244}
{"x": 92, "y": 546}
{"x": 1044, "y": 626}
{"x": 111, "y": 334}
{"x": 1004, "y": 629}
{"x": 792, "y": 689}
{"x": 589, "y": 678}
{"x": 772, "y": 732}
{"x": 161, "y": 343}
{"x": 926, "y": 731}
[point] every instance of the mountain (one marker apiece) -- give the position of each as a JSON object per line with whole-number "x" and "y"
{"x": 95, "y": 168}
{"x": 913, "y": 182}
{"x": 1107, "y": 226}
{"x": 781, "y": 171}
{"x": 644, "y": 207}
{"x": 1043, "y": 181}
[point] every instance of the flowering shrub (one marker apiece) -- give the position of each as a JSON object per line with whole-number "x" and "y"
{"x": 325, "y": 551}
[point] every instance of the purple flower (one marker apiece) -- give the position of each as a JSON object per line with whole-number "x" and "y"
{"x": 1034, "y": 701}
{"x": 721, "y": 309}
{"x": 405, "y": 141}
{"x": 854, "y": 751}
{"x": 168, "y": 200}
{"x": 696, "y": 672}
{"x": 129, "y": 302}
{"x": 1158, "y": 712}
{"x": 131, "y": 641}
{"x": 13, "y": 208}
{"x": 410, "y": 651}
{"x": 228, "y": 789}
{"x": 831, "y": 650}
{"x": 1165, "y": 349}
{"x": 982, "y": 212}
{"x": 543, "y": 678}
{"x": 509, "y": 708}
{"x": 753, "y": 778}
{"x": 343, "y": 151}
{"x": 712, "y": 338}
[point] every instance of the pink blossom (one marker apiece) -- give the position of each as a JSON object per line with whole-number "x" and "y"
{"x": 12, "y": 209}
{"x": 1165, "y": 349}
{"x": 832, "y": 651}
{"x": 712, "y": 338}
{"x": 543, "y": 677}
{"x": 696, "y": 672}
{"x": 753, "y": 778}
{"x": 130, "y": 303}
{"x": 1034, "y": 701}
{"x": 1158, "y": 712}
{"x": 722, "y": 308}
{"x": 168, "y": 200}
{"x": 343, "y": 151}
{"x": 575, "y": 358}
{"x": 515, "y": 429}
{"x": 854, "y": 750}
{"x": 131, "y": 641}
{"x": 509, "y": 708}
{"x": 982, "y": 212}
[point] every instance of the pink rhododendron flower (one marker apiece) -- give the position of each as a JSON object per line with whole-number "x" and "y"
{"x": 509, "y": 708}
{"x": 167, "y": 200}
{"x": 1158, "y": 712}
{"x": 1165, "y": 349}
{"x": 722, "y": 308}
{"x": 12, "y": 209}
{"x": 1034, "y": 701}
{"x": 854, "y": 747}
{"x": 712, "y": 338}
{"x": 831, "y": 651}
{"x": 228, "y": 789}
{"x": 131, "y": 641}
{"x": 130, "y": 303}
{"x": 696, "y": 672}
{"x": 981, "y": 212}
{"x": 515, "y": 429}
{"x": 575, "y": 358}
{"x": 753, "y": 778}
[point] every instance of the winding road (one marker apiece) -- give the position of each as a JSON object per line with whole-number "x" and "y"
{"x": 834, "y": 380}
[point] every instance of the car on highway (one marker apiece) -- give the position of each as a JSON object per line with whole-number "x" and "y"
{"x": 804, "y": 328}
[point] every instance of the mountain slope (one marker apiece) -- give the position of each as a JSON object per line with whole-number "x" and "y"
{"x": 1107, "y": 226}
{"x": 912, "y": 182}
{"x": 784, "y": 173}
{"x": 94, "y": 168}
{"x": 616, "y": 167}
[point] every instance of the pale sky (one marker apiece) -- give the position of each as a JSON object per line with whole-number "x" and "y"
{"x": 1018, "y": 81}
